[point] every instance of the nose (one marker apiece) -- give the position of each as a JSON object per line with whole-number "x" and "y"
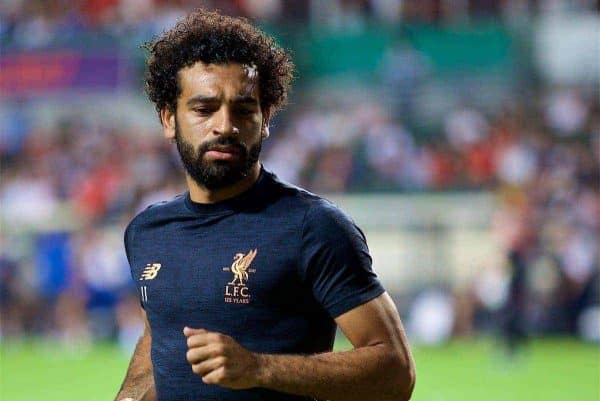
{"x": 225, "y": 124}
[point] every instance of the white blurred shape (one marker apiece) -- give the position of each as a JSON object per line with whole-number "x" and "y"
{"x": 579, "y": 257}
{"x": 263, "y": 9}
{"x": 491, "y": 288}
{"x": 27, "y": 201}
{"x": 431, "y": 318}
{"x": 588, "y": 324}
{"x": 517, "y": 164}
{"x": 566, "y": 112}
{"x": 464, "y": 127}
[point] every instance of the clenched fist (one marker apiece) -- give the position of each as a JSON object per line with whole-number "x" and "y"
{"x": 219, "y": 359}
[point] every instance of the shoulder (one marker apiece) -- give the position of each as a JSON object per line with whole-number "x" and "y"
{"x": 159, "y": 211}
{"x": 318, "y": 214}
{"x": 308, "y": 203}
{"x": 329, "y": 226}
{"x": 324, "y": 213}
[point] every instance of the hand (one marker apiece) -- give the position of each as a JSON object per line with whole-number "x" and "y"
{"x": 219, "y": 359}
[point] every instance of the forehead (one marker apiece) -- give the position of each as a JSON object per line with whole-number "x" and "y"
{"x": 220, "y": 80}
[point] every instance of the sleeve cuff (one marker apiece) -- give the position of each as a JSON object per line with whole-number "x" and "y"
{"x": 351, "y": 301}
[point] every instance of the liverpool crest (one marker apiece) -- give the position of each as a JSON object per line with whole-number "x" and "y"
{"x": 236, "y": 290}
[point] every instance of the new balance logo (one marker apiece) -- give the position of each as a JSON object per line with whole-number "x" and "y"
{"x": 150, "y": 272}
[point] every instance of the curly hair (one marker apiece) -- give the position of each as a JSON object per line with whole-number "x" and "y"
{"x": 214, "y": 38}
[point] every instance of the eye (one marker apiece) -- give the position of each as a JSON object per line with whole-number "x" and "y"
{"x": 202, "y": 111}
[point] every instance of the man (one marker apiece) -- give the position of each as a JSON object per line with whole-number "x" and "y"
{"x": 244, "y": 278}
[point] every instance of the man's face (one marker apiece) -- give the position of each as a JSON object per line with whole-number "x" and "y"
{"x": 219, "y": 124}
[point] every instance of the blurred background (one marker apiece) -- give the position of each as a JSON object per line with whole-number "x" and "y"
{"x": 463, "y": 136}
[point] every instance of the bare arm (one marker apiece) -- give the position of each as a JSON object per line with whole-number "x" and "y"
{"x": 379, "y": 368}
{"x": 139, "y": 381}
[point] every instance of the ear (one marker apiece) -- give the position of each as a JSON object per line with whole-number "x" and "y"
{"x": 265, "y": 125}
{"x": 167, "y": 119}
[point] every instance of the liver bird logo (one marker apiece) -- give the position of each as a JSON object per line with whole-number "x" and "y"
{"x": 240, "y": 267}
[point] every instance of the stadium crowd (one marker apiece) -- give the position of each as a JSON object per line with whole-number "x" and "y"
{"x": 545, "y": 171}
{"x": 68, "y": 189}
{"x": 30, "y": 24}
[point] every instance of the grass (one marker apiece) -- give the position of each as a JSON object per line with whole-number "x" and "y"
{"x": 548, "y": 370}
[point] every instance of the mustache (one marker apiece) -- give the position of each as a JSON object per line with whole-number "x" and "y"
{"x": 227, "y": 141}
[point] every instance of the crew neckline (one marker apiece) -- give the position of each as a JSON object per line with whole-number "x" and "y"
{"x": 245, "y": 198}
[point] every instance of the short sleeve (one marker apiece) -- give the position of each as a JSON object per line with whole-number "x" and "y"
{"x": 127, "y": 242}
{"x": 335, "y": 260}
{"x": 127, "y": 239}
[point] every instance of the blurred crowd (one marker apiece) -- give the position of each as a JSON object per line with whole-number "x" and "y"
{"x": 39, "y": 23}
{"x": 76, "y": 186}
{"x": 548, "y": 222}
{"x": 68, "y": 189}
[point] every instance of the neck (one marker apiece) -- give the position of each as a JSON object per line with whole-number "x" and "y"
{"x": 201, "y": 194}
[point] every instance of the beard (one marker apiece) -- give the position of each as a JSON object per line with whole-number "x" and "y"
{"x": 217, "y": 174}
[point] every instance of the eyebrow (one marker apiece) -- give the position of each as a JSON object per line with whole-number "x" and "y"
{"x": 214, "y": 99}
{"x": 245, "y": 99}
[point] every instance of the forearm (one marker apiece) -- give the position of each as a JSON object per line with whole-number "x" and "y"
{"x": 139, "y": 381}
{"x": 374, "y": 373}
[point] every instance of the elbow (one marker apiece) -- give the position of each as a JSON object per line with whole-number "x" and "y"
{"x": 404, "y": 379}
{"x": 410, "y": 378}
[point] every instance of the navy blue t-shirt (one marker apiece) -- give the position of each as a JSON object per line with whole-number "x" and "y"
{"x": 271, "y": 268}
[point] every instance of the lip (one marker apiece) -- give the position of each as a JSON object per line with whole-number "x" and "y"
{"x": 224, "y": 149}
{"x": 222, "y": 153}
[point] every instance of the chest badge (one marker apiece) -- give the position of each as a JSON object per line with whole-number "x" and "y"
{"x": 236, "y": 290}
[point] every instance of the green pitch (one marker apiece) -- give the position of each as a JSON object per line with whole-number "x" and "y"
{"x": 548, "y": 370}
